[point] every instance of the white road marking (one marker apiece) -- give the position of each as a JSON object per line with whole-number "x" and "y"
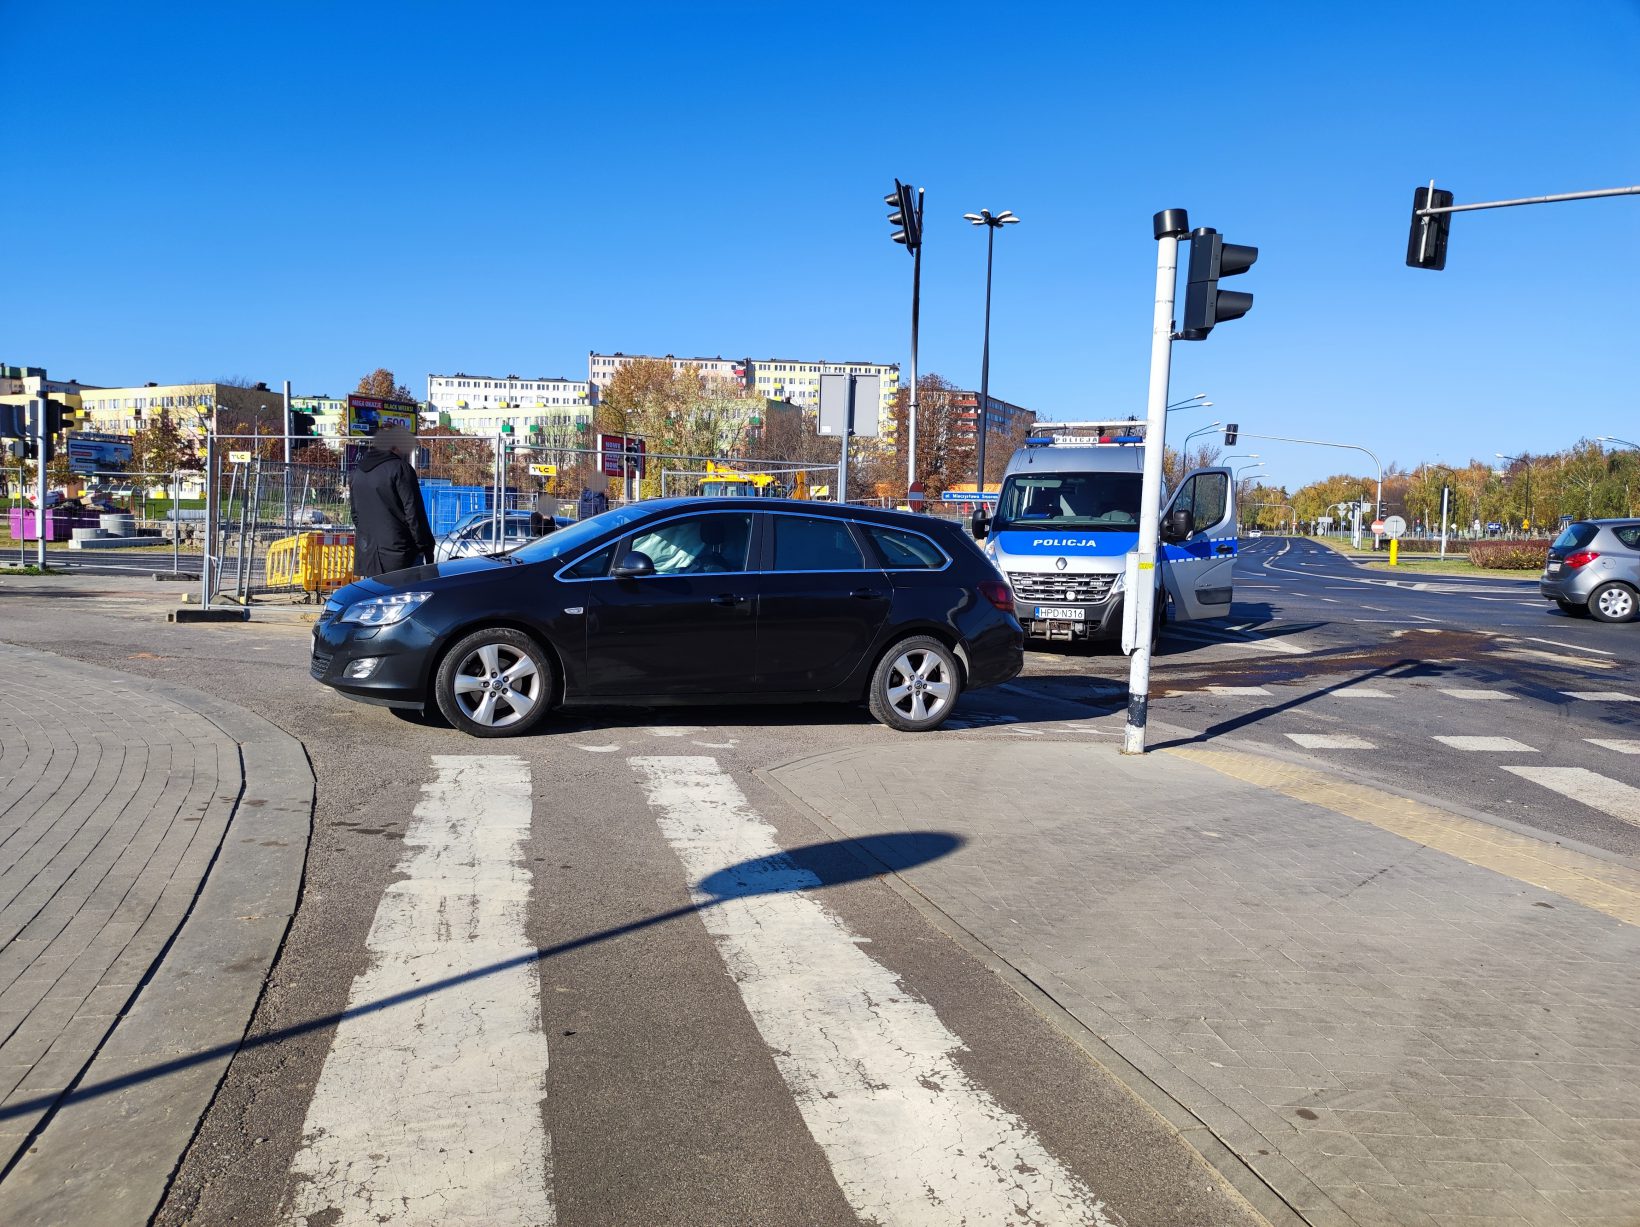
{"x": 598, "y": 749}
{"x": 719, "y": 745}
{"x": 1559, "y": 658}
{"x": 429, "y": 1111}
{"x": 1602, "y": 696}
{"x": 1361, "y": 692}
{"x": 910, "y": 1138}
{"x": 1576, "y": 647}
{"x": 1331, "y": 600}
{"x": 1233, "y": 691}
{"x": 1498, "y": 745}
{"x": 676, "y": 730}
{"x": 1203, "y": 635}
{"x": 1620, "y": 744}
{"x": 1611, "y": 797}
{"x": 1330, "y": 741}
{"x": 1478, "y": 695}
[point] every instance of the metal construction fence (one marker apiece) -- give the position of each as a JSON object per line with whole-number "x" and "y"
{"x": 276, "y": 527}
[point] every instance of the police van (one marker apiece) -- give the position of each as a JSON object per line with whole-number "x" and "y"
{"x": 1067, "y": 516}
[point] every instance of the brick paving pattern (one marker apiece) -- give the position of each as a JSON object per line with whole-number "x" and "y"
{"x": 113, "y": 802}
{"x": 1385, "y": 1033}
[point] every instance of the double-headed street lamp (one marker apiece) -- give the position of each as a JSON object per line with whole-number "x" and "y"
{"x": 992, "y": 223}
{"x": 1615, "y": 439}
{"x": 1527, "y": 461}
{"x": 1205, "y": 430}
{"x": 1248, "y": 469}
{"x": 1198, "y": 401}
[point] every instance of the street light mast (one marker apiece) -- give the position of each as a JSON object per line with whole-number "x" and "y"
{"x": 992, "y": 223}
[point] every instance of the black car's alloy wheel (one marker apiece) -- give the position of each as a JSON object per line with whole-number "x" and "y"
{"x": 494, "y": 683}
{"x": 916, "y": 685}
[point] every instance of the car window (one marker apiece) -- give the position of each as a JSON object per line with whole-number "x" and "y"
{"x": 905, "y": 550}
{"x": 1205, "y": 496}
{"x": 810, "y": 543}
{"x": 697, "y": 545}
{"x": 594, "y": 566}
{"x": 1629, "y": 535}
{"x": 1576, "y": 536}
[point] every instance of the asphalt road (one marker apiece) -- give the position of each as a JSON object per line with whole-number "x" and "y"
{"x": 673, "y": 1095}
{"x": 670, "y": 1096}
{"x": 1395, "y": 678}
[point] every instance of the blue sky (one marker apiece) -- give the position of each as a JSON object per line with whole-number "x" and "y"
{"x": 306, "y": 191}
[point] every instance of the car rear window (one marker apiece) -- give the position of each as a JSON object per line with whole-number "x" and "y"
{"x": 907, "y": 550}
{"x": 1629, "y": 535}
{"x": 802, "y": 543}
{"x": 1576, "y": 536}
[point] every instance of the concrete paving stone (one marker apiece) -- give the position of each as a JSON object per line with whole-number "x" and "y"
{"x": 1366, "y": 1207}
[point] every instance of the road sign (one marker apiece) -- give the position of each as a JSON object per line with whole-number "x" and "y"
{"x": 968, "y": 496}
{"x": 1393, "y": 527}
{"x": 619, "y": 453}
{"x": 1377, "y": 528}
{"x": 544, "y": 470}
{"x": 239, "y": 457}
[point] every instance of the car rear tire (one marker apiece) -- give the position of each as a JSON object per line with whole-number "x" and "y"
{"x": 1614, "y": 602}
{"x": 495, "y": 682}
{"x": 915, "y": 685}
{"x": 1572, "y": 609}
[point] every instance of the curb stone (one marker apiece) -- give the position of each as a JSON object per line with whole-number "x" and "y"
{"x": 107, "y": 1156}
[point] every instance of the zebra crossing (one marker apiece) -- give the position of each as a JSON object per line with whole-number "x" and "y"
{"x": 432, "y": 1105}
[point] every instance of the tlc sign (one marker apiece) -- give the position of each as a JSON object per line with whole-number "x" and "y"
{"x": 617, "y": 452}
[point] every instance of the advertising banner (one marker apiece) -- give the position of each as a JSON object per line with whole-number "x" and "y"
{"x": 91, "y": 453}
{"x": 615, "y": 452}
{"x": 367, "y": 414}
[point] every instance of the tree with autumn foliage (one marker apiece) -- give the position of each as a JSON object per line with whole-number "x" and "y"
{"x": 381, "y": 384}
{"x": 945, "y": 452}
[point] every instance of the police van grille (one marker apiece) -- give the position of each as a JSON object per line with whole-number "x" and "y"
{"x": 1040, "y": 586}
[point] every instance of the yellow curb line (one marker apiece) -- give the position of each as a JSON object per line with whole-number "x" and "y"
{"x": 1593, "y": 883}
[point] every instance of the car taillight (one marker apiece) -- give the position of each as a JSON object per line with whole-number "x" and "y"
{"x": 1580, "y": 559}
{"x": 998, "y": 593}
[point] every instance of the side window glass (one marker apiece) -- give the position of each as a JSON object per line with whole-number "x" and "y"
{"x": 904, "y": 550}
{"x": 700, "y": 545}
{"x": 593, "y": 566}
{"x": 1629, "y": 535}
{"x": 802, "y": 543}
{"x": 1205, "y": 496}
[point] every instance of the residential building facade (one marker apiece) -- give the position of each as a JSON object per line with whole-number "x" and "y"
{"x": 195, "y": 407}
{"x": 329, "y": 413}
{"x": 482, "y": 404}
{"x": 1004, "y": 417}
{"x": 779, "y": 379}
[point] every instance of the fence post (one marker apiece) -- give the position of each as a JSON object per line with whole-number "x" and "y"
{"x": 207, "y": 585}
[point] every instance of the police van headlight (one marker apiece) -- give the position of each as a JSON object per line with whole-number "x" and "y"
{"x": 1120, "y": 583}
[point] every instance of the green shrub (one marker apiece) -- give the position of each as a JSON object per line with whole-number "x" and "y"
{"x": 1509, "y": 555}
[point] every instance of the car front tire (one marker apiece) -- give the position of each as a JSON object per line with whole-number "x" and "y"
{"x": 916, "y": 684}
{"x": 1614, "y": 602}
{"x": 494, "y": 683}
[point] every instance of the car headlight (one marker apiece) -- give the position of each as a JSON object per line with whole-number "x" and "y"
{"x": 385, "y": 610}
{"x": 1121, "y": 583}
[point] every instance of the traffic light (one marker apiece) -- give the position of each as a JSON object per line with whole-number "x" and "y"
{"x": 1230, "y": 435}
{"x": 906, "y": 216}
{"x": 301, "y": 428}
{"x": 1426, "y": 243}
{"x": 1205, "y": 304}
{"x": 13, "y": 422}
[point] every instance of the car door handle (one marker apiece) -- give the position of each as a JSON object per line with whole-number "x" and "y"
{"x": 1226, "y": 548}
{"x": 866, "y": 594}
{"x": 729, "y": 598}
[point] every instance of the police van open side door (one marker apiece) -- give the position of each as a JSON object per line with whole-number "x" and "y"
{"x": 1199, "y": 545}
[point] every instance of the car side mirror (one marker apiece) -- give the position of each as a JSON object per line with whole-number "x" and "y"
{"x": 1181, "y": 524}
{"x": 635, "y": 565}
{"x": 980, "y": 523}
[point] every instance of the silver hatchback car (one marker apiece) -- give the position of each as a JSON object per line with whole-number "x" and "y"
{"x": 1594, "y": 568}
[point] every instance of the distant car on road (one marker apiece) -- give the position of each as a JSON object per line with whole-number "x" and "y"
{"x": 676, "y": 601}
{"x": 1593, "y": 568}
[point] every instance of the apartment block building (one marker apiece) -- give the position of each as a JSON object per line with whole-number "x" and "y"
{"x": 793, "y": 380}
{"x": 1004, "y": 416}
{"x": 481, "y": 404}
{"x": 195, "y": 407}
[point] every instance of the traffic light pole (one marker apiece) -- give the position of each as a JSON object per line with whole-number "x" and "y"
{"x": 911, "y": 415}
{"x": 41, "y": 449}
{"x": 1169, "y": 225}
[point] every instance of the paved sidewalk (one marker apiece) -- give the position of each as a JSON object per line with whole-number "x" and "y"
{"x": 151, "y": 847}
{"x": 1363, "y": 1009}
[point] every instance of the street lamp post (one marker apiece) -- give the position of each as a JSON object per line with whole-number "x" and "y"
{"x": 1248, "y": 468}
{"x": 992, "y": 223}
{"x": 1205, "y": 430}
{"x": 1615, "y": 439}
{"x": 1527, "y": 461}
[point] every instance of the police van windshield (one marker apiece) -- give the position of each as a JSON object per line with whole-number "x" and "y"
{"x": 1098, "y": 502}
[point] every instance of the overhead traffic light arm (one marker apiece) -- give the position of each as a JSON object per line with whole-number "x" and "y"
{"x": 1432, "y": 209}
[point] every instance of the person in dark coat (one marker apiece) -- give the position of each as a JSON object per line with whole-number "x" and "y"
{"x": 541, "y": 516}
{"x": 390, "y": 525}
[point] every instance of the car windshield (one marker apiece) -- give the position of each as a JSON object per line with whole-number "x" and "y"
{"x": 1100, "y": 502}
{"x": 567, "y": 540}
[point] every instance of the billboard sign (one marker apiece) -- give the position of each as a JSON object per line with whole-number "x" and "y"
{"x": 617, "y": 452}
{"x": 367, "y": 414}
{"x": 89, "y": 453}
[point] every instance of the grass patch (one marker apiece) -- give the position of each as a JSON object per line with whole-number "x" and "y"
{"x": 1436, "y": 566}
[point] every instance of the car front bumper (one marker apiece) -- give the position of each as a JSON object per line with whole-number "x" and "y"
{"x": 400, "y": 652}
{"x": 1100, "y": 619}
